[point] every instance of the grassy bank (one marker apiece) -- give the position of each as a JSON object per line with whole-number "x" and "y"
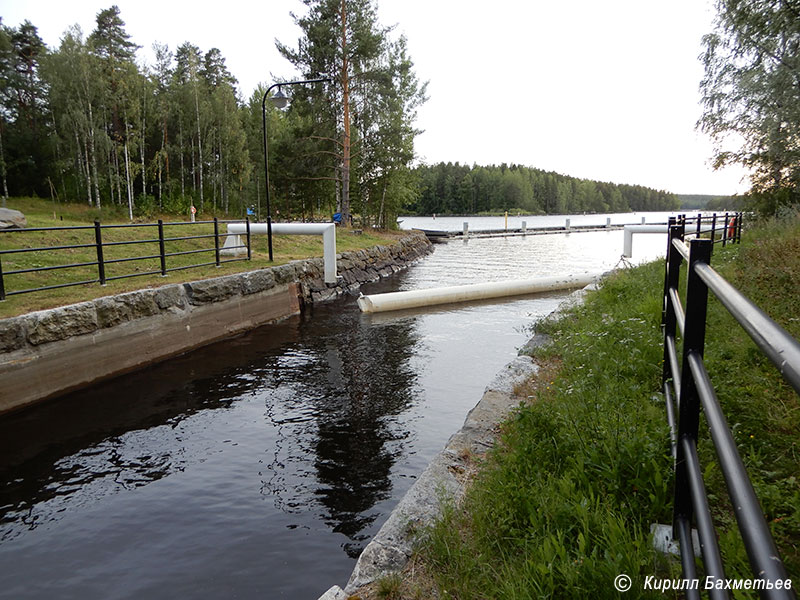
{"x": 564, "y": 503}
{"x": 41, "y": 213}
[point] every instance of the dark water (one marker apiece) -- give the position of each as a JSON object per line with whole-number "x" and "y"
{"x": 261, "y": 466}
{"x": 214, "y": 474}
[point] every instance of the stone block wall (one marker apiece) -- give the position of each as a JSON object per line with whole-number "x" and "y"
{"x": 48, "y": 352}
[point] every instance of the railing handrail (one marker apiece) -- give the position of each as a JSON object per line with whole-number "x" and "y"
{"x": 101, "y": 262}
{"x": 773, "y": 340}
{"x": 691, "y": 385}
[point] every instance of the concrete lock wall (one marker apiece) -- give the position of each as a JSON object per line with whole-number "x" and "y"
{"x": 49, "y": 352}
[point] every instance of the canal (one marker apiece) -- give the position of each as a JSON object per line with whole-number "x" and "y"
{"x": 261, "y": 466}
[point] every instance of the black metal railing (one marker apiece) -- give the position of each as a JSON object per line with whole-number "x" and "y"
{"x": 686, "y": 380}
{"x": 101, "y": 261}
{"x": 724, "y": 228}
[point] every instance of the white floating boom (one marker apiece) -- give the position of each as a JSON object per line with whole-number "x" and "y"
{"x": 326, "y": 230}
{"x": 478, "y": 291}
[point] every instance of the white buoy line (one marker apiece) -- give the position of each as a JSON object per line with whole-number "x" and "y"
{"x": 375, "y": 303}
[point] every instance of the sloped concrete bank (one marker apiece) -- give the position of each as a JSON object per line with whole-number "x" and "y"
{"x": 49, "y": 352}
{"x": 447, "y": 474}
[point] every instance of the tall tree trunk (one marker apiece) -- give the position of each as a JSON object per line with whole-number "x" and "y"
{"x": 215, "y": 177}
{"x": 142, "y": 140}
{"x": 84, "y": 157}
{"x": 164, "y": 145}
{"x": 111, "y": 182}
{"x": 183, "y": 173}
{"x": 223, "y": 187}
{"x": 199, "y": 142}
{"x": 3, "y": 167}
{"x": 78, "y": 165}
{"x": 117, "y": 174}
{"x": 57, "y": 148}
{"x": 93, "y": 150}
{"x": 345, "y": 81}
{"x": 128, "y": 182}
{"x": 82, "y": 167}
{"x": 194, "y": 170}
{"x": 160, "y": 156}
{"x": 95, "y": 176}
{"x": 381, "y": 224}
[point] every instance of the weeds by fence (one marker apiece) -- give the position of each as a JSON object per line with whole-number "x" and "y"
{"x": 45, "y": 258}
{"x": 687, "y": 381}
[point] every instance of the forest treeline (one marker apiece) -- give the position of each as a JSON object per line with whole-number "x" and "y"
{"x": 707, "y": 202}
{"x": 86, "y": 122}
{"x": 453, "y": 188}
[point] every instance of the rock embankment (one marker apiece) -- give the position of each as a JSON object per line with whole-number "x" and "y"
{"x": 48, "y": 352}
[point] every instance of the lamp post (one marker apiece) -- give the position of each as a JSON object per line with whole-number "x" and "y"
{"x": 279, "y": 100}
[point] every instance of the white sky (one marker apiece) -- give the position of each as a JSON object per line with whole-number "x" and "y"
{"x": 601, "y": 89}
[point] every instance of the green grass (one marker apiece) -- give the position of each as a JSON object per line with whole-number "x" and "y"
{"x": 389, "y": 587}
{"x": 762, "y": 410}
{"x": 40, "y": 213}
{"x": 564, "y": 502}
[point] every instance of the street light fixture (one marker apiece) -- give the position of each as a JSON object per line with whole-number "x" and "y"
{"x": 279, "y": 100}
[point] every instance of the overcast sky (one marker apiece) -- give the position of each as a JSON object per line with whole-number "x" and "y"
{"x": 606, "y": 90}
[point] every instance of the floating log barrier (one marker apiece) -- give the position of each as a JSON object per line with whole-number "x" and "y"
{"x": 464, "y": 293}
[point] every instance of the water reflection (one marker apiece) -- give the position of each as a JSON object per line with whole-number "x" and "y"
{"x": 311, "y": 408}
{"x": 336, "y": 401}
{"x": 359, "y": 440}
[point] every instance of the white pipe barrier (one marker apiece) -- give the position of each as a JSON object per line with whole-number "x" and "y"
{"x": 464, "y": 293}
{"x": 326, "y": 230}
{"x": 627, "y": 248}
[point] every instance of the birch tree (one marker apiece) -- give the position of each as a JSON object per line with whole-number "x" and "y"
{"x": 751, "y": 94}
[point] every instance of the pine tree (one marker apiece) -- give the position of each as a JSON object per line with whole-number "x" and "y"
{"x": 111, "y": 44}
{"x": 26, "y": 154}
{"x": 193, "y": 110}
{"x": 375, "y": 97}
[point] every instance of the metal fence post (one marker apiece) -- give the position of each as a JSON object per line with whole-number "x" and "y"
{"x": 670, "y": 225}
{"x": 216, "y": 240}
{"x": 699, "y": 223}
{"x": 2, "y": 284}
{"x": 161, "y": 249}
{"x": 714, "y": 227}
{"x": 672, "y": 274}
{"x": 249, "y": 252}
{"x": 672, "y": 265}
{"x": 739, "y": 228}
{"x": 694, "y": 336}
{"x": 98, "y": 240}
{"x": 725, "y": 232}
